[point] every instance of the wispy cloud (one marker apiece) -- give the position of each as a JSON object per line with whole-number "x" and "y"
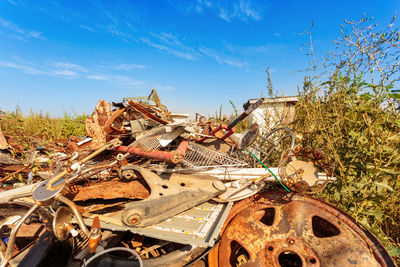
{"x": 222, "y": 60}
{"x": 70, "y": 66}
{"x": 12, "y": 2}
{"x": 127, "y": 67}
{"x": 24, "y": 68}
{"x": 169, "y": 49}
{"x": 66, "y": 73}
{"x": 243, "y": 10}
{"x": 121, "y": 80}
{"x": 98, "y": 77}
{"x": 67, "y": 70}
{"x": 19, "y": 33}
{"x": 115, "y": 31}
{"x": 85, "y": 27}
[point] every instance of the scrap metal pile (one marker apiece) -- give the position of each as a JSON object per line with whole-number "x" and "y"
{"x": 147, "y": 187}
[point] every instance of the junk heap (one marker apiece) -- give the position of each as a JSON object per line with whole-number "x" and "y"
{"x": 169, "y": 190}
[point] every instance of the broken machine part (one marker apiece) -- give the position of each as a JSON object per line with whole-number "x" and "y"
{"x": 169, "y": 197}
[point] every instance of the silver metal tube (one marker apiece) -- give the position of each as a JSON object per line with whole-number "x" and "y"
{"x": 11, "y": 240}
{"x": 28, "y": 194}
{"x": 74, "y": 209}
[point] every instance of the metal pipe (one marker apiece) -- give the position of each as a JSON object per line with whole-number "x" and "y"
{"x": 167, "y": 156}
{"x": 74, "y": 209}
{"x": 27, "y": 194}
{"x": 11, "y": 240}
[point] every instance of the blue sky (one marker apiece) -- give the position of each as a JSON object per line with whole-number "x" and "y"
{"x": 62, "y": 56}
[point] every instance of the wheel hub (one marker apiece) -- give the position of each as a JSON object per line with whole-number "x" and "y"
{"x": 277, "y": 229}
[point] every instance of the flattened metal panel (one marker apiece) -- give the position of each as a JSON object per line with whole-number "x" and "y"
{"x": 198, "y": 226}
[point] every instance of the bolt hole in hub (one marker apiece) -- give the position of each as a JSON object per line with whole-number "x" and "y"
{"x": 312, "y": 260}
{"x": 289, "y": 259}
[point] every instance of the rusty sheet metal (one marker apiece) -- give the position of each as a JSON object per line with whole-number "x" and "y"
{"x": 147, "y": 111}
{"x": 108, "y": 126}
{"x": 278, "y": 229}
{"x": 95, "y": 123}
{"x": 3, "y": 141}
{"x": 32, "y": 230}
{"x": 111, "y": 190}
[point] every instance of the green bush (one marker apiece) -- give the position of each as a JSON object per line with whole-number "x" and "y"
{"x": 354, "y": 117}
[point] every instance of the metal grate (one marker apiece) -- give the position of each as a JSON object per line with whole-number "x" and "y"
{"x": 199, "y": 157}
{"x": 150, "y": 140}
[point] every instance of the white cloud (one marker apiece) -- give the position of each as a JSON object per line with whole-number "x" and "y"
{"x": 222, "y": 60}
{"x": 113, "y": 30}
{"x": 98, "y": 77}
{"x": 87, "y": 28}
{"x": 25, "y": 68}
{"x": 12, "y": 2}
{"x": 127, "y": 67}
{"x": 173, "y": 51}
{"x": 19, "y": 33}
{"x": 70, "y": 66}
{"x": 67, "y": 73}
{"x": 227, "y": 10}
{"x": 120, "y": 80}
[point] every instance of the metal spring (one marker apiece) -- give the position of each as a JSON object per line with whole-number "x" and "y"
{"x": 81, "y": 241}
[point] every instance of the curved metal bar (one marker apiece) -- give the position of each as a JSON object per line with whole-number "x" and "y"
{"x": 74, "y": 209}
{"x": 11, "y": 240}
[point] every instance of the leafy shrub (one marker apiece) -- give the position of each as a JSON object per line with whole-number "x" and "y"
{"x": 354, "y": 117}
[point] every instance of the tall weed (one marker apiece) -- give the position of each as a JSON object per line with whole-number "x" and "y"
{"x": 354, "y": 117}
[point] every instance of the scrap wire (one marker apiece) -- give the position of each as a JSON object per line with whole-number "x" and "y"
{"x": 287, "y": 189}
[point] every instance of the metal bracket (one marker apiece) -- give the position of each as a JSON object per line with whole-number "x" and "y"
{"x": 170, "y": 197}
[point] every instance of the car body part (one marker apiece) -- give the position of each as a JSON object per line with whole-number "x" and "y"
{"x": 169, "y": 197}
{"x": 289, "y": 229}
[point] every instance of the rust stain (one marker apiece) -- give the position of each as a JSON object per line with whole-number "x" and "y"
{"x": 111, "y": 190}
